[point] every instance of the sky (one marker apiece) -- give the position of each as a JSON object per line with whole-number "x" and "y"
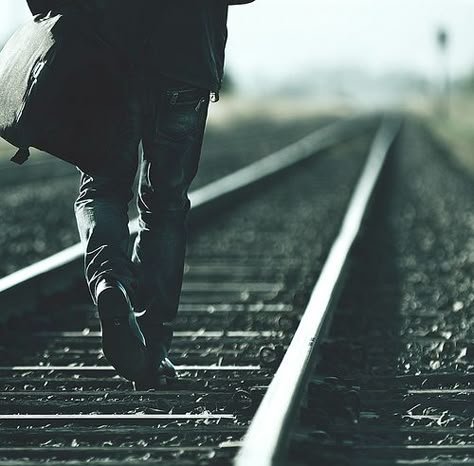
{"x": 274, "y": 41}
{"x": 285, "y": 37}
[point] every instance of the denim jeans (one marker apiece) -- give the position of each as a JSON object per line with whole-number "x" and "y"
{"x": 169, "y": 118}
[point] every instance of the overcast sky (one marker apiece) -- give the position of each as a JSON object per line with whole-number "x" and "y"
{"x": 282, "y": 37}
{"x": 278, "y": 39}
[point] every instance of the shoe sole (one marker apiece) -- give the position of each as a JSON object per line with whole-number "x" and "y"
{"x": 122, "y": 344}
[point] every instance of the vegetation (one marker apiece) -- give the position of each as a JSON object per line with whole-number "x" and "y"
{"x": 456, "y": 126}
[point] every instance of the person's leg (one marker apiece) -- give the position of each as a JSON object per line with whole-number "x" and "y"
{"x": 102, "y": 219}
{"x": 102, "y": 205}
{"x": 172, "y": 144}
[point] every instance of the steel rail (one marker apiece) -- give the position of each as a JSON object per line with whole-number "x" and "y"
{"x": 267, "y": 437}
{"x": 21, "y": 290}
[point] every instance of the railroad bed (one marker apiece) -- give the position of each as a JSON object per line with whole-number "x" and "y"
{"x": 249, "y": 272}
{"x": 395, "y": 381}
{"x": 253, "y": 260}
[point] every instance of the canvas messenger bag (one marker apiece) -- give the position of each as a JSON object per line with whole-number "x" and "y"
{"x": 62, "y": 90}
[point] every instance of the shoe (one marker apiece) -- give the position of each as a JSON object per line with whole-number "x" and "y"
{"x": 158, "y": 338}
{"x": 123, "y": 343}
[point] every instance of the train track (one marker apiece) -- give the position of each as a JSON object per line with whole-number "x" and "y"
{"x": 394, "y": 380}
{"x": 244, "y": 295}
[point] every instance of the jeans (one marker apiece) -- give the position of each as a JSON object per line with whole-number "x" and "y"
{"x": 169, "y": 118}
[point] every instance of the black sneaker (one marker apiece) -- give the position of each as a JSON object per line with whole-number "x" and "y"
{"x": 123, "y": 343}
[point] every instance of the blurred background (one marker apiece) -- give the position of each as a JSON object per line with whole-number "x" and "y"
{"x": 352, "y": 55}
{"x": 291, "y": 65}
{"x": 353, "y": 52}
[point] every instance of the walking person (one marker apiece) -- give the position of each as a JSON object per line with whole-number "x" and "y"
{"x": 177, "y": 51}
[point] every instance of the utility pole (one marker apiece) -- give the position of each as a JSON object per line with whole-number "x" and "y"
{"x": 442, "y": 38}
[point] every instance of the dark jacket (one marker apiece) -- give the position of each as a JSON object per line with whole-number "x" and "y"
{"x": 42, "y": 6}
{"x": 180, "y": 39}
